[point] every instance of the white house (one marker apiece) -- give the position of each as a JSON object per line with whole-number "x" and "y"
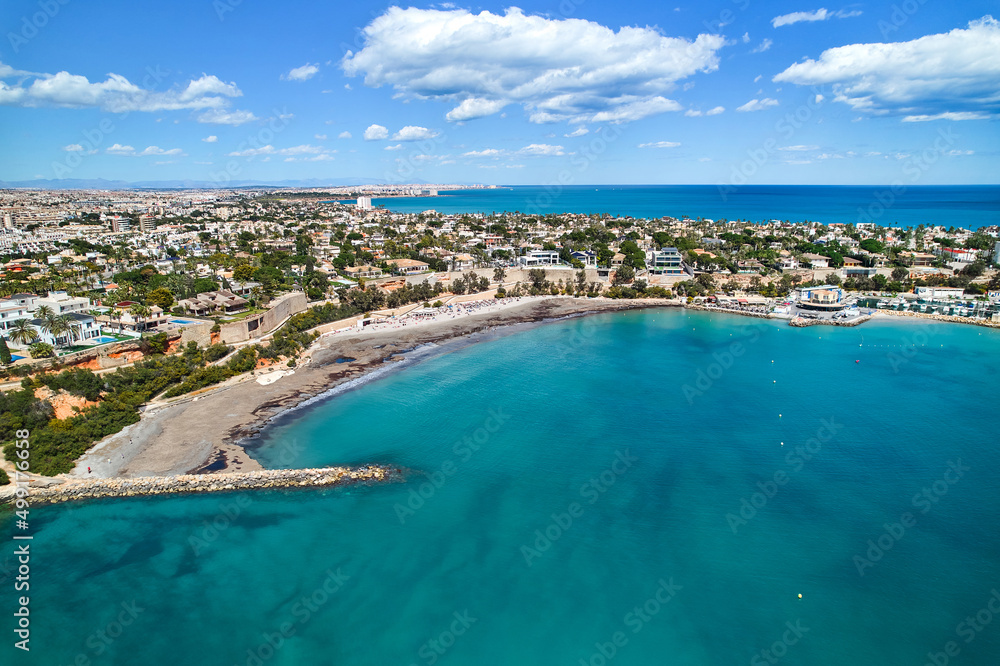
{"x": 539, "y": 258}
{"x": 816, "y": 260}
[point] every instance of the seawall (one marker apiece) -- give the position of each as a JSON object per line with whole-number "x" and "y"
{"x": 202, "y": 483}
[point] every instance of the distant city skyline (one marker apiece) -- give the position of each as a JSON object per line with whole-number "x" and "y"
{"x": 572, "y": 92}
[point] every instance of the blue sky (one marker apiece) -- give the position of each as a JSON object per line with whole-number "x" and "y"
{"x": 577, "y": 91}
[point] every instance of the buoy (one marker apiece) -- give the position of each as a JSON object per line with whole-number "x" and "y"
{"x": 782, "y": 443}
{"x": 857, "y": 360}
{"x": 800, "y": 595}
{"x": 779, "y": 416}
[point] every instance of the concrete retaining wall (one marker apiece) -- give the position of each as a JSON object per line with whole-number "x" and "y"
{"x": 257, "y": 326}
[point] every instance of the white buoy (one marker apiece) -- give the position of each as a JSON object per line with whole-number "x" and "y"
{"x": 800, "y": 595}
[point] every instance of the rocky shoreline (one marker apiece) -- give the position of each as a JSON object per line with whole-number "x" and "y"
{"x": 939, "y": 317}
{"x": 203, "y": 483}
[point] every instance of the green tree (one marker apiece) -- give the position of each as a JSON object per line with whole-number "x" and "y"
{"x": 160, "y": 297}
{"x": 22, "y": 332}
{"x": 41, "y": 350}
{"x": 537, "y": 278}
{"x": 5, "y": 356}
{"x": 623, "y": 275}
{"x": 899, "y": 274}
{"x": 243, "y": 272}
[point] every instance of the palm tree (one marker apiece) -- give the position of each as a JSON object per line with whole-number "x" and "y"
{"x": 56, "y": 325}
{"x": 140, "y": 312}
{"x": 44, "y": 312}
{"x": 22, "y": 332}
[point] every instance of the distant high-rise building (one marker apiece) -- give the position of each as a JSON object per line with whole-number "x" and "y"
{"x": 364, "y": 203}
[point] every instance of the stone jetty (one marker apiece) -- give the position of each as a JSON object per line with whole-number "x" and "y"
{"x": 79, "y": 489}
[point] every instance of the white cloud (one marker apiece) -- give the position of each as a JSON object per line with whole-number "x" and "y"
{"x": 764, "y": 45}
{"x": 475, "y": 107}
{"x": 376, "y": 132}
{"x": 532, "y": 150}
{"x": 322, "y": 157}
{"x": 951, "y": 75}
{"x": 73, "y": 148}
{"x": 556, "y": 69}
{"x": 693, "y": 113}
{"x": 579, "y": 131}
{"x": 156, "y": 150}
{"x": 541, "y": 149}
{"x": 210, "y": 139}
{"x": 798, "y": 17}
{"x": 344, "y": 135}
{"x": 398, "y": 146}
{"x": 119, "y": 149}
{"x": 715, "y": 111}
{"x": 414, "y": 133}
{"x": 799, "y": 148}
{"x": 947, "y": 115}
{"x": 488, "y": 152}
{"x": 757, "y": 105}
{"x": 303, "y": 73}
{"x": 746, "y": 37}
{"x": 116, "y": 94}
{"x": 660, "y": 144}
{"x": 704, "y": 159}
{"x": 304, "y": 149}
{"x": 223, "y": 117}
{"x": 320, "y": 137}
{"x": 956, "y": 153}
{"x": 818, "y": 15}
{"x": 636, "y": 110}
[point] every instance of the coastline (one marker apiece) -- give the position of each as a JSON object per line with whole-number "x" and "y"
{"x": 163, "y": 442}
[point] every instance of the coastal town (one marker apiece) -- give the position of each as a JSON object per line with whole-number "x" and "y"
{"x": 115, "y": 303}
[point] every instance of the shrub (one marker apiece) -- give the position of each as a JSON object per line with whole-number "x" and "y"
{"x": 41, "y": 350}
{"x": 4, "y": 479}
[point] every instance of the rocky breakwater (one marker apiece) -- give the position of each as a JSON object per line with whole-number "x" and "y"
{"x": 204, "y": 483}
{"x": 856, "y": 321}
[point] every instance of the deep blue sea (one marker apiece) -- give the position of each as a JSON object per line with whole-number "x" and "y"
{"x": 967, "y": 206}
{"x": 641, "y": 488}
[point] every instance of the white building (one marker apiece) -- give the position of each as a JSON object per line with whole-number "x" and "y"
{"x": 364, "y": 203}
{"x": 539, "y": 258}
{"x": 63, "y": 303}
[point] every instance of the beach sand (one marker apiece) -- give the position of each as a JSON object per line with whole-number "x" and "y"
{"x": 202, "y": 434}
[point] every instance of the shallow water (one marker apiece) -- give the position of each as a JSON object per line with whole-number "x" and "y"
{"x": 581, "y": 493}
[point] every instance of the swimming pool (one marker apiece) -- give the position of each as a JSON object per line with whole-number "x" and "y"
{"x": 104, "y": 339}
{"x": 181, "y": 321}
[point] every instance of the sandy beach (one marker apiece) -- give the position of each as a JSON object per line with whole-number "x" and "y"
{"x": 201, "y": 434}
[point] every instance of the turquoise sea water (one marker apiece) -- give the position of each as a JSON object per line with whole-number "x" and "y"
{"x": 967, "y": 206}
{"x": 577, "y": 482}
